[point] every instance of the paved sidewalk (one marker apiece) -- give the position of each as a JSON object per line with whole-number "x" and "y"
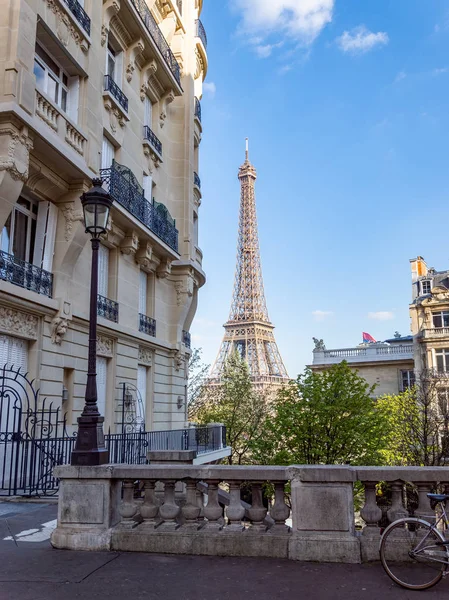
{"x": 31, "y": 570}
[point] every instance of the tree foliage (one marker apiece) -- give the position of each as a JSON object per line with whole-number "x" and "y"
{"x": 417, "y": 424}
{"x": 236, "y": 403}
{"x": 324, "y": 417}
{"x": 197, "y": 373}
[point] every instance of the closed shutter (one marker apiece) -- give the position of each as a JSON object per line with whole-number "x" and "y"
{"x": 103, "y": 270}
{"x": 50, "y": 237}
{"x": 73, "y": 97}
{"x": 142, "y": 388}
{"x": 107, "y": 153}
{"x": 147, "y": 187}
{"x": 102, "y": 378}
{"x": 143, "y": 282}
{"x": 13, "y": 351}
{"x": 148, "y": 111}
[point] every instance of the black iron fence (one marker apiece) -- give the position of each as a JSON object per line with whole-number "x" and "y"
{"x": 125, "y": 189}
{"x": 107, "y": 308}
{"x": 186, "y": 339}
{"x": 26, "y": 275}
{"x": 80, "y": 14}
{"x": 198, "y": 109}
{"x": 116, "y": 92}
{"x": 152, "y": 138}
{"x": 196, "y": 179}
{"x": 147, "y": 325}
{"x": 201, "y": 32}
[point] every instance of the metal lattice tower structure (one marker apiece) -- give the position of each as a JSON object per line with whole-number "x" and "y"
{"x": 248, "y": 328}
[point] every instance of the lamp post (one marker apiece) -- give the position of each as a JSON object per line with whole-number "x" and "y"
{"x": 90, "y": 449}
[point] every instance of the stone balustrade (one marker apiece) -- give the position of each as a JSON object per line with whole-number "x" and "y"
{"x": 370, "y": 353}
{"x": 188, "y": 509}
{"x": 55, "y": 118}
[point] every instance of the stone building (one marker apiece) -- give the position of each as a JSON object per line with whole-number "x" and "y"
{"x": 109, "y": 88}
{"x": 388, "y": 365}
{"x": 429, "y": 314}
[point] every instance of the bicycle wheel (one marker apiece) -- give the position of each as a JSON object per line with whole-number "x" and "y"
{"x": 410, "y": 554}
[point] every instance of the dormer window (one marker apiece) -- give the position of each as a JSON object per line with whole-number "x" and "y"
{"x": 426, "y": 286}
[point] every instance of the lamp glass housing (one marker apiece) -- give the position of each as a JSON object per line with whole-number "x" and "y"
{"x": 96, "y": 207}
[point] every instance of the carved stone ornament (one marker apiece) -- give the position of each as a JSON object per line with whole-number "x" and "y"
{"x": 17, "y": 322}
{"x": 59, "y": 328}
{"x": 183, "y": 288}
{"x": 65, "y": 27}
{"x": 105, "y": 346}
{"x": 148, "y": 72}
{"x": 71, "y": 216}
{"x": 116, "y": 116}
{"x": 145, "y": 356}
{"x": 130, "y": 243}
{"x": 146, "y": 259}
{"x": 164, "y": 268}
{"x": 135, "y": 50}
{"x": 154, "y": 160}
{"x": 178, "y": 360}
{"x": 17, "y": 158}
{"x": 166, "y": 100}
{"x": 110, "y": 9}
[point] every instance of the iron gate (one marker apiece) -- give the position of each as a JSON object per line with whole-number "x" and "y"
{"x": 33, "y": 437}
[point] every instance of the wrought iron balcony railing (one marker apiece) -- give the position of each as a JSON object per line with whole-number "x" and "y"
{"x": 186, "y": 340}
{"x": 80, "y": 14}
{"x": 201, "y": 32}
{"x": 196, "y": 179}
{"x": 107, "y": 308}
{"x": 124, "y": 189}
{"x": 24, "y": 274}
{"x": 158, "y": 38}
{"x": 116, "y": 92}
{"x": 147, "y": 325}
{"x": 198, "y": 109}
{"x": 155, "y": 142}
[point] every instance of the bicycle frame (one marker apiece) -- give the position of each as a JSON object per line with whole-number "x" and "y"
{"x": 433, "y": 527}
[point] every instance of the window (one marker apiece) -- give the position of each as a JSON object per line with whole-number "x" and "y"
{"x": 102, "y": 379}
{"x": 107, "y": 153}
{"x": 103, "y": 270}
{"x": 50, "y": 78}
{"x": 407, "y": 380}
{"x": 441, "y": 319}
{"x": 142, "y": 376}
{"x": 148, "y": 112}
{"x": 143, "y": 287}
{"x": 443, "y": 405}
{"x": 148, "y": 187}
{"x": 426, "y": 287}
{"x": 442, "y": 360}
{"x": 114, "y": 58}
{"x": 13, "y": 351}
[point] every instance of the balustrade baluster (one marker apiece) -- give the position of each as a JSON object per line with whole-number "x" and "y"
{"x": 128, "y": 506}
{"x": 257, "y": 512}
{"x": 191, "y": 510}
{"x": 370, "y": 512}
{"x": 397, "y": 510}
{"x": 424, "y": 509}
{"x": 235, "y": 511}
{"x": 279, "y": 511}
{"x": 169, "y": 509}
{"x": 149, "y": 508}
{"x": 213, "y": 511}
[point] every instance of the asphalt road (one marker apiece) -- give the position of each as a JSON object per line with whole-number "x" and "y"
{"x": 31, "y": 570}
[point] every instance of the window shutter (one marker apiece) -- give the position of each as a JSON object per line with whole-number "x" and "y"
{"x": 50, "y": 236}
{"x": 103, "y": 270}
{"x": 73, "y": 98}
{"x": 142, "y": 388}
{"x": 13, "y": 351}
{"x": 102, "y": 372}
{"x": 41, "y": 227}
{"x": 148, "y": 187}
{"x": 143, "y": 283}
{"x": 118, "y": 74}
{"x": 148, "y": 112}
{"x": 107, "y": 153}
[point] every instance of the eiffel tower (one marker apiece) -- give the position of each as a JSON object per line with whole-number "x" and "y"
{"x": 249, "y": 328}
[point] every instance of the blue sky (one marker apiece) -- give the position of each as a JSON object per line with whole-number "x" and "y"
{"x": 345, "y": 103}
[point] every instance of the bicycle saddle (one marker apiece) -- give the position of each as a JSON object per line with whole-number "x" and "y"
{"x": 438, "y": 497}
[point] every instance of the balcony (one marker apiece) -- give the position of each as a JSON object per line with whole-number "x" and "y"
{"x": 435, "y": 332}
{"x": 147, "y": 325}
{"x": 197, "y": 109}
{"x": 201, "y": 33}
{"x": 111, "y": 87}
{"x": 25, "y": 275}
{"x": 153, "y": 141}
{"x": 158, "y": 38}
{"x": 80, "y": 14}
{"x": 196, "y": 180}
{"x": 107, "y": 308}
{"x": 125, "y": 190}
{"x": 364, "y": 354}
{"x": 186, "y": 339}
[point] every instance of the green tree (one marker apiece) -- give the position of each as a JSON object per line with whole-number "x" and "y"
{"x": 234, "y": 402}
{"x": 197, "y": 374}
{"x": 418, "y": 422}
{"x": 326, "y": 417}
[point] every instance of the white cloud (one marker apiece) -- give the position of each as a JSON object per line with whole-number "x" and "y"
{"x": 440, "y": 71}
{"x": 360, "y": 40}
{"x": 400, "y": 76}
{"x": 381, "y": 315}
{"x": 209, "y": 88}
{"x": 300, "y": 21}
{"x": 321, "y": 315}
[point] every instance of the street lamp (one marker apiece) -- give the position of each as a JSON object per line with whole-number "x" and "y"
{"x": 90, "y": 449}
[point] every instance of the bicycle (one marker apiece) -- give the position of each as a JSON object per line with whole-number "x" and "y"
{"x": 414, "y": 552}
